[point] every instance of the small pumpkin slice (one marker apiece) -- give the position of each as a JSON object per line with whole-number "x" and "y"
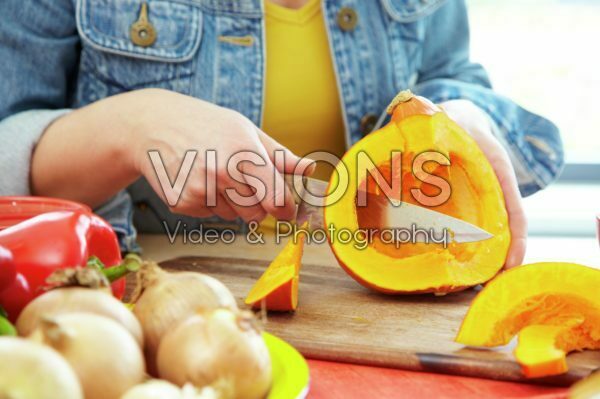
{"x": 535, "y": 299}
{"x": 542, "y": 349}
{"x": 277, "y": 288}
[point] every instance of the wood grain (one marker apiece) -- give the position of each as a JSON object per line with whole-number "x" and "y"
{"x": 339, "y": 320}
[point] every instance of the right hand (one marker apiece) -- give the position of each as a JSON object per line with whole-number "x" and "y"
{"x": 173, "y": 124}
{"x": 477, "y": 123}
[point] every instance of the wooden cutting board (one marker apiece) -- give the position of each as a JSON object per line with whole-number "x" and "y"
{"x": 339, "y": 320}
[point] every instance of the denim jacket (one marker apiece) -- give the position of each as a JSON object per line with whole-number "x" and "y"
{"x": 58, "y": 55}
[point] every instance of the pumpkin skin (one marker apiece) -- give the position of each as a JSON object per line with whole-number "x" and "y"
{"x": 416, "y": 127}
{"x": 554, "y": 307}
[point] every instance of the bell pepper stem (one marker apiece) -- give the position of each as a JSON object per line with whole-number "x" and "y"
{"x": 131, "y": 263}
{"x": 6, "y": 327}
{"x": 95, "y": 263}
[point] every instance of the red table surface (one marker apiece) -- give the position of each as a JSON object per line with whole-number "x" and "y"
{"x": 329, "y": 380}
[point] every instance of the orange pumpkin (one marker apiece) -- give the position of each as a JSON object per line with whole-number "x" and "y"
{"x": 419, "y": 126}
{"x": 553, "y": 307}
{"x": 277, "y": 288}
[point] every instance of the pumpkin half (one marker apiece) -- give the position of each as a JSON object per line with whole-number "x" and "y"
{"x": 418, "y": 126}
{"x": 277, "y": 288}
{"x": 554, "y": 307}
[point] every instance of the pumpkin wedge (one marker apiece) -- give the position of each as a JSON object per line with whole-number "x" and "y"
{"x": 554, "y": 306}
{"x": 277, "y": 288}
{"x": 418, "y": 126}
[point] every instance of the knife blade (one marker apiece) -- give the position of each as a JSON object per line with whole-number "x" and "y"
{"x": 308, "y": 208}
{"x": 309, "y": 195}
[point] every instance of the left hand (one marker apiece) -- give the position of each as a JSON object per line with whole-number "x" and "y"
{"x": 476, "y": 122}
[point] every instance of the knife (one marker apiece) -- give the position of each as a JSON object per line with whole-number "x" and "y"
{"x": 309, "y": 196}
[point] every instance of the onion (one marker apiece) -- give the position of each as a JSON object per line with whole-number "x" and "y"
{"x": 587, "y": 388}
{"x": 105, "y": 357}
{"x": 153, "y": 389}
{"x": 29, "y": 370}
{"x": 218, "y": 347}
{"x": 163, "y": 300}
{"x": 159, "y": 389}
{"x": 78, "y": 299}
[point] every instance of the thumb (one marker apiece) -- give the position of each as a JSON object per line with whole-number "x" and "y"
{"x": 288, "y": 162}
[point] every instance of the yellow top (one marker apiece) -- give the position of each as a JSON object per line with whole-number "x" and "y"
{"x": 302, "y": 107}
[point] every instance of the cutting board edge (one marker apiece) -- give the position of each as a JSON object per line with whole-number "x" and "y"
{"x": 442, "y": 363}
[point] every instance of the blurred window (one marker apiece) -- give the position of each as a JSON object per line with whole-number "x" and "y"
{"x": 544, "y": 55}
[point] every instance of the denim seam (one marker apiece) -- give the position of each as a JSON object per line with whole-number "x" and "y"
{"x": 336, "y": 69}
{"x": 221, "y": 9}
{"x": 216, "y": 63}
{"x": 541, "y": 177}
{"x": 140, "y": 85}
{"x": 367, "y": 64}
{"x": 263, "y": 26}
{"x": 411, "y": 16}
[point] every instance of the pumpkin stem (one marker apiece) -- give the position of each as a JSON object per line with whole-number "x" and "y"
{"x": 402, "y": 97}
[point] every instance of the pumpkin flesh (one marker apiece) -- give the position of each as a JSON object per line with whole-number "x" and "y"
{"x": 277, "y": 288}
{"x": 554, "y": 307}
{"x": 476, "y": 198}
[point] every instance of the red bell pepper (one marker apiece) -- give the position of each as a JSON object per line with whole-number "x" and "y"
{"x": 52, "y": 241}
{"x": 8, "y": 270}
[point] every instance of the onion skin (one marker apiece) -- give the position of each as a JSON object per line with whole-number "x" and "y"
{"x": 220, "y": 347}
{"x": 106, "y": 358}
{"x": 163, "y": 300}
{"x": 78, "y": 299}
{"x": 29, "y": 370}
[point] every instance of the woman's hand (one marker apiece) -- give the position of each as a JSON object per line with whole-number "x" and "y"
{"x": 475, "y": 121}
{"x": 173, "y": 124}
{"x": 92, "y": 153}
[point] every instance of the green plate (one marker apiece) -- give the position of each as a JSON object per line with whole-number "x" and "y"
{"x": 290, "y": 371}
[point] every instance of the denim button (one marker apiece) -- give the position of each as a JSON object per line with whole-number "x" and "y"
{"x": 367, "y": 123}
{"x": 347, "y": 19}
{"x": 142, "y": 31}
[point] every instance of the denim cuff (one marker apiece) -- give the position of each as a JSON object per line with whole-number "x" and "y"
{"x": 533, "y": 143}
{"x": 118, "y": 211}
{"x": 19, "y": 134}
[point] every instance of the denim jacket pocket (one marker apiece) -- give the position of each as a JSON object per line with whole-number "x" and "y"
{"x": 111, "y": 62}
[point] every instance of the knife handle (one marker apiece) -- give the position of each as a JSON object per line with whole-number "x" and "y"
{"x": 293, "y": 183}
